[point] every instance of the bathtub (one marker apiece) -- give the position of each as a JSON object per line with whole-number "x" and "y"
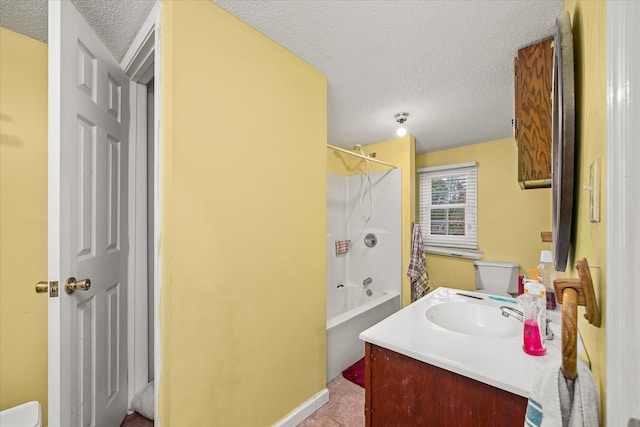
{"x": 351, "y": 312}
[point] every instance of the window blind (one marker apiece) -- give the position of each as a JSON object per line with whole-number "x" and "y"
{"x": 448, "y": 205}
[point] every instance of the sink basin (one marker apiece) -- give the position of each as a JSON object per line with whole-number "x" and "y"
{"x": 473, "y": 319}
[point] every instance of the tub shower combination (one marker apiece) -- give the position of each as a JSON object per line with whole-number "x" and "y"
{"x": 361, "y": 311}
{"x": 364, "y": 281}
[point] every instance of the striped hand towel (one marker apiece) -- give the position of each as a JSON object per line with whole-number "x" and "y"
{"x": 417, "y": 270}
{"x": 342, "y": 246}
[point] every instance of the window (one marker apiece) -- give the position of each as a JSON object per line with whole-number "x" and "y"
{"x": 449, "y": 207}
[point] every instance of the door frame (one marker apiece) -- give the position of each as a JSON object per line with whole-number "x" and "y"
{"x": 142, "y": 63}
{"x": 623, "y": 232}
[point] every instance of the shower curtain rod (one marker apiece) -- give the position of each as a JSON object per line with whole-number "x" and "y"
{"x": 371, "y": 159}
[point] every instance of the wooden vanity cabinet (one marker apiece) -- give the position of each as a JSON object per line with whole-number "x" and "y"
{"x": 402, "y": 391}
{"x": 533, "y": 83}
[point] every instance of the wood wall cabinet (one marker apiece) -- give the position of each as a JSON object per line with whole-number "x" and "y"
{"x": 402, "y": 391}
{"x": 533, "y": 83}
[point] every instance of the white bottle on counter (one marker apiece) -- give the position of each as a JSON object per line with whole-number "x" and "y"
{"x": 547, "y": 274}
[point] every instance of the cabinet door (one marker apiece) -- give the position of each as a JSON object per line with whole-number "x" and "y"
{"x": 533, "y": 86}
{"x": 402, "y": 391}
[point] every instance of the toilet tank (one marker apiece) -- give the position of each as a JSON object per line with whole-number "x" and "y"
{"x": 497, "y": 276}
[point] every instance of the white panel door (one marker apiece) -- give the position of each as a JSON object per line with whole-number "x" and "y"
{"x": 88, "y": 133}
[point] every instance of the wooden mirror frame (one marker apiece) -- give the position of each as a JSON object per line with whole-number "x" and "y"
{"x": 562, "y": 141}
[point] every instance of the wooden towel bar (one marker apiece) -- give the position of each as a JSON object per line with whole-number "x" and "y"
{"x": 571, "y": 293}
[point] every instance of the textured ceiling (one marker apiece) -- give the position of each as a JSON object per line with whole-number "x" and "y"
{"x": 28, "y": 17}
{"x": 449, "y": 63}
{"x": 116, "y": 22}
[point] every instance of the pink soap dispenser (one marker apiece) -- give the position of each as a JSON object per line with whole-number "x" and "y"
{"x": 534, "y": 303}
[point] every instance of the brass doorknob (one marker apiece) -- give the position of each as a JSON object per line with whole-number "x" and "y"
{"x": 72, "y": 285}
{"x": 42, "y": 287}
{"x": 51, "y": 287}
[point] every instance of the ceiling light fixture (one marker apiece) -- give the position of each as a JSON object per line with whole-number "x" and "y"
{"x": 401, "y": 118}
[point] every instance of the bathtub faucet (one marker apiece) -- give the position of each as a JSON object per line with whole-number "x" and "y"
{"x": 367, "y": 281}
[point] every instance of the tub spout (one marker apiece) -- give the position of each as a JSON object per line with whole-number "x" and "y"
{"x": 367, "y": 281}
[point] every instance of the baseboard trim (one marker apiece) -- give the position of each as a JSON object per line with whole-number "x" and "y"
{"x": 304, "y": 410}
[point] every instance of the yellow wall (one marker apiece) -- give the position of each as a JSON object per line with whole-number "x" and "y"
{"x": 343, "y": 164}
{"x": 399, "y": 152}
{"x": 244, "y": 223}
{"x": 23, "y": 219}
{"x": 589, "y": 23}
{"x": 509, "y": 219}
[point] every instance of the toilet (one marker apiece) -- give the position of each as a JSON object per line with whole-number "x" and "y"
{"x": 496, "y": 277}
{"x": 26, "y": 415}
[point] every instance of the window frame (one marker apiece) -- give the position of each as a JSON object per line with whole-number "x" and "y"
{"x": 449, "y": 244}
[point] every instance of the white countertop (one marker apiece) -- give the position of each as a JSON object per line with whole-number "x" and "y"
{"x": 499, "y": 362}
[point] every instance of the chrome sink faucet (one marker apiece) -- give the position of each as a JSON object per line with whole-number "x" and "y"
{"x": 510, "y": 311}
{"x": 513, "y": 312}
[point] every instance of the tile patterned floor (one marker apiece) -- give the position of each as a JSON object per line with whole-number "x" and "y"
{"x": 344, "y": 409}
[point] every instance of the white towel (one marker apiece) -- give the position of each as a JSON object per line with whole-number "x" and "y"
{"x": 555, "y": 401}
{"x": 417, "y": 270}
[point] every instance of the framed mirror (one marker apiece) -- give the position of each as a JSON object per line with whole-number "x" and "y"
{"x": 562, "y": 141}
